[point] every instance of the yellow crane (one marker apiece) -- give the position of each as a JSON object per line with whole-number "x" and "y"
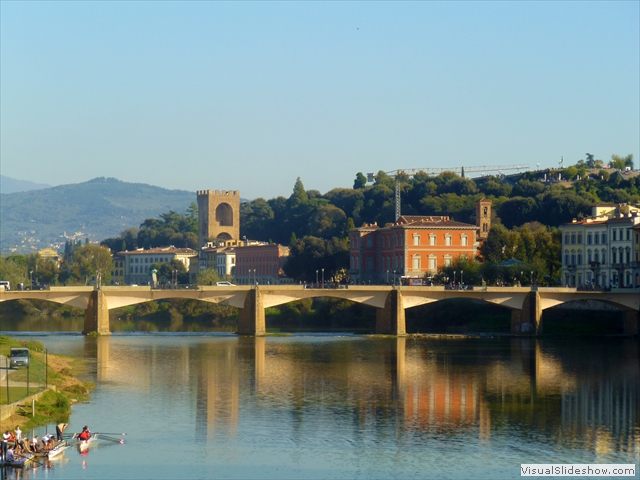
{"x": 410, "y": 172}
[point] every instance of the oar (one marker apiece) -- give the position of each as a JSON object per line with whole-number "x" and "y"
{"x": 107, "y": 433}
{"x": 111, "y": 439}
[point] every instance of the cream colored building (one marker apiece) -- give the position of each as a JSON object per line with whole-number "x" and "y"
{"x": 137, "y": 269}
{"x": 598, "y": 251}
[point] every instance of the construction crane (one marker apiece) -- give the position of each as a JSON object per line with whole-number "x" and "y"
{"x": 410, "y": 172}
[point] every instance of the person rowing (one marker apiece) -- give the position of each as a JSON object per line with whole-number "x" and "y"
{"x": 85, "y": 434}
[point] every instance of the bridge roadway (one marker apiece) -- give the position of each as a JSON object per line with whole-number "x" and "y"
{"x": 526, "y": 304}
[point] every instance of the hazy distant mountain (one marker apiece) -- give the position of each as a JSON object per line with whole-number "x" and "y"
{"x": 12, "y": 185}
{"x": 97, "y": 209}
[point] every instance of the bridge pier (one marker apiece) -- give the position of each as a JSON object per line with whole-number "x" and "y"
{"x": 390, "y": 320}
{"x": 529, "y": 319}
{"x": 631, "y": 321}
{"x": 96, "y": 316}
{"x": 251, "y": 318}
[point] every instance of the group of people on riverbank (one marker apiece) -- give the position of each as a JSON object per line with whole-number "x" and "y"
{"x": 13, "y": 444}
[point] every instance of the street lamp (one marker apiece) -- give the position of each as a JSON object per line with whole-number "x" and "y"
{"x": 31, "y": 277}
{"x": 461, "y": 277}
{"x": 394, "y": 278}
{"x": 521, "y": 279}
{"x": 387, "y": 277}
{"x": 531, "y": 278}
{"x": 317, "y": 278}
{"x": 323, "y": 278}
{"x": 454, "y": 279}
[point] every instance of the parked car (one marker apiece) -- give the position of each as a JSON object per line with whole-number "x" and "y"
{"x": 225, "y": 284}
{"x": 19, "y": 357}
{"x": 5, "y": 284}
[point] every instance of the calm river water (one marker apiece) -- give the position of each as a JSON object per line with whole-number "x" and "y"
{"x": 328, "y": 406}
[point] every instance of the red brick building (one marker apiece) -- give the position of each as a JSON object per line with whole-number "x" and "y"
{"x": 261, "y": 263}
{"x": 414, "y": 246}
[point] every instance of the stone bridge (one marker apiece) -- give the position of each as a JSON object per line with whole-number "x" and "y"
{"x": 526, "y": 304}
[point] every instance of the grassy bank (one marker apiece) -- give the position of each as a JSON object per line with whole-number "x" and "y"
{"x": 56, "y": 370}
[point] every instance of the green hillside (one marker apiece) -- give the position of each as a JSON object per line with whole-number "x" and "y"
{"x": 97, "y": 209}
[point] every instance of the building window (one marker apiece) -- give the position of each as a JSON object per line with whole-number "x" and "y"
{"x": 573, "y": 239}
{"x": 604, "y": 238}
{"x": 589, "y": 238}
{"x": 614, "y": 235}
{"x": 432, "y": 240}
{"x": 579, "y": 238}
{"x": 604, "y": 256}
{"x": 589, "y": 256}
{"x": 464, "y": 240}
{"x": 415, "y": 262}
{"x": 614, "y": 255}
{"x": 566, "y": 239}
{"x": 447, "y": 260}
{"x": 447, "y": 240}
{"x": 566, "y": 257}
{"x": 579, "y": 257}
{"x": 596, "y": 238}
{"x": 596, "y": 257}
{"x": 573, "y": 257}
{"x": 416, "y": 239}
{"x": 433, "y": 265}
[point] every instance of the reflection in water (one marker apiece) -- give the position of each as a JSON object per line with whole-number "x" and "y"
{"x": 348, "y": 399}
{"x": 428, "y": 385}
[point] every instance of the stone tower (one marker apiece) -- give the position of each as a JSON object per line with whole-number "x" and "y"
{"x": 483, "y": 218}
{"x": 218, "y": 216}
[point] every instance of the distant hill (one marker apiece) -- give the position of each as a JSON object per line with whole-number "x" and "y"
{"x": 97, "y": 209}
{"x": 12, "y": 185}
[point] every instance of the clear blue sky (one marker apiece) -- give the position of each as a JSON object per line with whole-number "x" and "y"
{"x": 251, "y": 95}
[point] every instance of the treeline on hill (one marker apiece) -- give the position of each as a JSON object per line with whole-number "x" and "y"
{"x": 526, "y": 217}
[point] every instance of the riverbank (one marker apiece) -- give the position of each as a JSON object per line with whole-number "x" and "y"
{"x": 55, "y": 376}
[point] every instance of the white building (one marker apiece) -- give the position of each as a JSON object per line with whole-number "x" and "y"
{"x": 137, "y": 263}
{"x": 598, "y": 251}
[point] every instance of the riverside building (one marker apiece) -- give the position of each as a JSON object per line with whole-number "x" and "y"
{"x": 600, "y": 250}
{"x": 414, "y": 247}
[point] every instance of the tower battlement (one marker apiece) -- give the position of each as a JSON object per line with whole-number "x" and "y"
{"x": 235, "y": 193}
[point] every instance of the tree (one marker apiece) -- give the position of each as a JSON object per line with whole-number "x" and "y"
{"x": 360, "y": 181}
{"x": 207, "y": 276}
{"x": 621, "y": 162}
{"x": 89, "y": 260}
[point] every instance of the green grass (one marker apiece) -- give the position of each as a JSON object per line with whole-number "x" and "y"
{"x": 16, "y": 393}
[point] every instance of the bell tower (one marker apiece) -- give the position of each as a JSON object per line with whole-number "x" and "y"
{"x": 218, "y": 216}
{"x": 483, "y": 218}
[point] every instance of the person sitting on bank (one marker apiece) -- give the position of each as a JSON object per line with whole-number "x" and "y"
{"x": 9, "y": 456}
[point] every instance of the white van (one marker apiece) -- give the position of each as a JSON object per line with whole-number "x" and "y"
{"x": 4, "y": 284}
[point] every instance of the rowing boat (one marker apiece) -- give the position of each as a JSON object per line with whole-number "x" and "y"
{"x": 57, "y": 449}
{"x": 21, "y": 460}
{"x": 84, "y": 444}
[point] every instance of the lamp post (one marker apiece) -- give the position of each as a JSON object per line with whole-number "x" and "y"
{"x": 394, "y": 278}
{"x": 461, "y": 278}
{"x": 531, "y": 278}
{"x": 454, "y": 279}
{"x": 317, "y": 278}
{"x": 323, "y": 278}
{"x": 31, "y": 277}
{"x": 175, "y": 279}
{"x": 387, "y": 277}
{"x": 521, "y": 277}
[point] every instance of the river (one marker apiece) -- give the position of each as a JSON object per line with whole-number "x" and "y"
{"x": 342, "y": 406}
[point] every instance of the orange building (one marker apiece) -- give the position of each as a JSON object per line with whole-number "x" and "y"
{"x": 414, "y": 247}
